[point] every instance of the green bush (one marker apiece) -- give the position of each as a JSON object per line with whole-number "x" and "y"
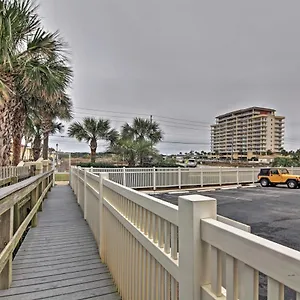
{"x": 97, "y": 165}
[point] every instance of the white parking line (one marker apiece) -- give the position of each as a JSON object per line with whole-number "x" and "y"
{"x": 231, "y": 197}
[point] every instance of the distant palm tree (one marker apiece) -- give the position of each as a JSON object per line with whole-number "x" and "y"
{"x": 143, "y": 129}
{"x": 137, "y": 141}
{"x": 62, "y": 110}
{"x": 91, "y": 130}
{"x": 55, "y": 127}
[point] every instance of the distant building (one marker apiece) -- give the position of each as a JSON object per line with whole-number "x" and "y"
{"x": 247, "y": 133}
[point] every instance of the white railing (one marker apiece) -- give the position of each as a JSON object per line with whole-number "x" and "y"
{"x": 8, "y": 172}
{"x": 156, "y": 250}
{"x": 154, "y": 178}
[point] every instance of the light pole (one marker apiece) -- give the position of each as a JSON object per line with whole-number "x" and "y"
{"x": 56, "y": 159}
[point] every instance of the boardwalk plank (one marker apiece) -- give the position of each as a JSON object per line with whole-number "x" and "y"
{"x": 59, "y": 258}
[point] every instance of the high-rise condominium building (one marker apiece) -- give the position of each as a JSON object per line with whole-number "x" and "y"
{"x": 247, "y": 133}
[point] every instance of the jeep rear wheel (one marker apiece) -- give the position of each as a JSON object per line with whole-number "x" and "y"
{"x": 292, "y": 184}
{"x": 264, "y": 182}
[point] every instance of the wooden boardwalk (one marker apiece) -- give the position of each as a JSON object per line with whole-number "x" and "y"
{"x": 59, "y": 259}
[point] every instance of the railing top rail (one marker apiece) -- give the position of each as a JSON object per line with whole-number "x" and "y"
{"x": 274, "y": 260}
{"x": 12, "y": 194}
{"x": 161, "y": 208}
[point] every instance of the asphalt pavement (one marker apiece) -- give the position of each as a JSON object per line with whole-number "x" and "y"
{"x": 273, "y": 213}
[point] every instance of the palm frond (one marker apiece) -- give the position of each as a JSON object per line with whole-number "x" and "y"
{"x": 78, "y": 131}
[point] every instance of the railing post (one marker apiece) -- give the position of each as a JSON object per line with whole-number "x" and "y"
{"x": 78, "y": 185}
{"x": 154, "y": 178}
{"x": 220, "y": 175}
{"x": 237, "y": 175}
{"x": 201, "y": 177}
{"x": 194, "y": 258}
{"x": 179, "y": 177}
{"x": 253, "y": 175}
{"x": 34, "y": 199}
{"x": 44, "y": 187}
{"x": 6, "y": 233}
{"x": 75, "y": 172}
{"x": 40, "y": 191}
{"x": 84, "y": 196}
{"x": 124, "y": 176}
{"x": 92, "y": 169}
{"x": 16, "y": 217}
{"x": 101, "y": 247}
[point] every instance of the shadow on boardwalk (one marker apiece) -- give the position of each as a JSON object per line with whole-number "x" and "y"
{"x": 59, "y": 259}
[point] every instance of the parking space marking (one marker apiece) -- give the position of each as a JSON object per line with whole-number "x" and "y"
{"x": 216, "y": 195}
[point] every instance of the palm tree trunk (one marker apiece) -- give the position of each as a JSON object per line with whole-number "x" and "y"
{"x": 17, "y": 140}
{"x": 46, "y": 145}
{"x": 36, "y": 147}
{"x": 18, "y": 129}
{"x": 93, "y": 146}
{"x": 24, "y": 150}
{"x": 93, "y": 155}
{"x": 5, "y": 135}
{"x": 7, "y": 109}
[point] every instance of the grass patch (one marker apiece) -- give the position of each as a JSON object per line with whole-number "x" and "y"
{"x": 62, "y": 177}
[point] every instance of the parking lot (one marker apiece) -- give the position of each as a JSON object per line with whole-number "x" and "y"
{"x": 272, "y": 213}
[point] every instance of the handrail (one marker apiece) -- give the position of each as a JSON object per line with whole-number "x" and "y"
{"x": 7, "y": 198}
{"x": 26, "y": 195}
{"x": 261, "y": 254}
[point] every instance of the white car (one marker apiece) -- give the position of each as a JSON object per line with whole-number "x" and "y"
{"x": 191, "y": 163}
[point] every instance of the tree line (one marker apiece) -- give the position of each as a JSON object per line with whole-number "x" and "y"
{"x": 35, "y": 74}
{"x": 287, "y": 159}
{"x": 135, "y": 142}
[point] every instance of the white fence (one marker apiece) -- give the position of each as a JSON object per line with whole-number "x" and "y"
{"x": 154, "y": 178}
{"x": 8, "y": 172}
{"x": 156, "y": 250}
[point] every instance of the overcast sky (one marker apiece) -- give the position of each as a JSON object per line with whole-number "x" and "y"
{"x": 189, "y": 60}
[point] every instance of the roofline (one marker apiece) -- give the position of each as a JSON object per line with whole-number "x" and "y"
{"x": 246, "y": 109}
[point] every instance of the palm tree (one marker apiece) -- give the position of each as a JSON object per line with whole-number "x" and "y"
{"x": 33, "y": 62}
{"x": 137, "y": 141}
{"x": 91, "y": 131}
{"x": 143, "y": 129}
{"x": 62, "y": 110}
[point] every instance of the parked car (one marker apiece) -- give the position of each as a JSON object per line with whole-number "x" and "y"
{"x": 191, "y": 163}
{"x": 274, "y": 176}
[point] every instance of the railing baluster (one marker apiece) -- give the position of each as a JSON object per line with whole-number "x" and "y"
{"x": 153, "y": 278}
{"x": 216, "y": 271}
{"x": 232, "y": 278}
{"x": 161, "y": 233}
{"x": 173, "y": 288}
{"x": 167, "y": 230}
{"x": 144, "y": 274}
{"x": 149, "y": 283}
{"x": 249, "y": 283}
{"x": 167, "y": 286}
{"x": 275, "y": 290}
{"x": 174, "y": 242}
